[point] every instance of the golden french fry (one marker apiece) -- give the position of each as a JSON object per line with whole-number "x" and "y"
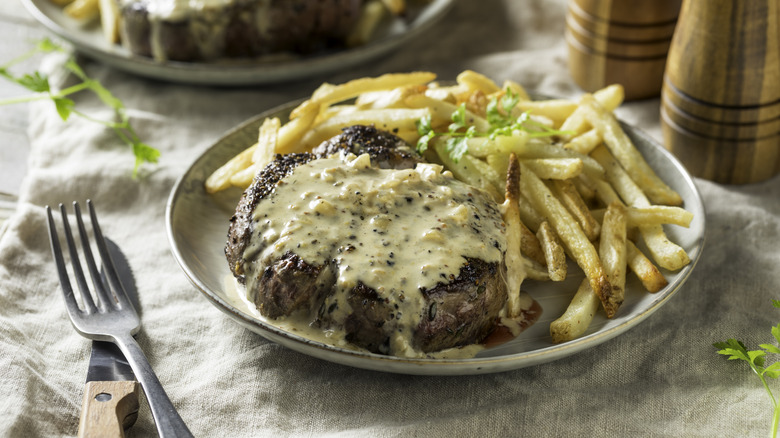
{"x": 514, "y": 260}
{"x": 289, "y": 137}
{"x": 584, "y": 143}
{"x": 477, "y": 81}
{"x": 469, "y": 169}
{"x": 576, "y": 242}
{"x": 555, "y": 168}
{"x": 578, "y": 315}
{"x": 627, "y": 155}
{"x": 556, "y": 110}
{"x": 109, "y": 20}
{"x": 532, "y": 148}
{"x": 82, "y": 10}
{"x": 220, "y": 179}
{"x": 392, "y": 119}
{"x": 516, "y": 89}
{"x": 667, "y": 254}
{"x": 554, "y": 254}
{"x": 266, "y": 142}
{"x": 570, "y": 198}
{"x": 328, "y": 94}
{"x": 612, "y": 251}
{"x": 396, "y": 7}
{"x": 388, "y": 98}
{"x": 610, "y": 97}
{"x": 243, "y": 178}
{"x": 652, "y": 279}
{"x": 441, "y": 111}
{"x": 370, "y": 17}
{"x": 658, "y": 215}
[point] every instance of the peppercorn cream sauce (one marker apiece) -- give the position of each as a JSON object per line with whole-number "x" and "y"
{"x": 398, "y": 232}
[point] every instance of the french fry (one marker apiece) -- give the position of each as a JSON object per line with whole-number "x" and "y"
{"x": 328, "y": 94}
{"x": 266, "y": 142}
{"x": 555, "y": 168}
{"x": 578, "y": 315}
{"x": 645, "y": 270}
{"x": 109, "y": 20}
{"x": 554, "y": 254}
{"x": 220, "y": 179}
{"x": 610, "y": 97}
{"x": 386, "y": 119}
{"x": 570, "y": 198}
{"x": 584, "y": 143}
{"x": 627, "y": 155}
{"x": 658, "y": 215}
{"x": 667, "y": 254}
{"x": 289, "y": 136}
{"x": 556, "y": 110}
{"x": 612, "y": 251}
{"x": 525, "y": 148}
{"x": 477, "y": 81}
{"x": 441, "y": 111}
{"x": 82, "y": 10}
{"x": 396, "y": 7}
{"x": 576, "y": 242}
{"x": 370, "y": 17}
{"x": 514, "y": 260}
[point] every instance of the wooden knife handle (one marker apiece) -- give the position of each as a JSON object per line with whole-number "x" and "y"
{"x": 108, "y": 408}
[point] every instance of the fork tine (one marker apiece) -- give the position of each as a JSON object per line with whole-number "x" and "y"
{"x": 56, "y": 250}
{"x": 104, "y": 296}
{"x": 108, "y": 264}
{"x": 86, "y": 297}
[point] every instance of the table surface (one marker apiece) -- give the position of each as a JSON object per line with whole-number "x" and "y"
{"x": 20, "y": 30}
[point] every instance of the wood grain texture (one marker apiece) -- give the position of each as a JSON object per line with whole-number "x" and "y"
{"x": 108, "y": 408}
{"x": 720, "y": 100}
{"x": 616, "y": 41}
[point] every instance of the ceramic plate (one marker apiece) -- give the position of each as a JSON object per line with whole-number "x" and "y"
{"x": 197, "y": 228}
{"x": 89, "y": 40}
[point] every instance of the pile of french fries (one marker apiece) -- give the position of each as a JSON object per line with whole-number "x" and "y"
{"x": 584, "y": 194}
{"x": 372, "y": 13}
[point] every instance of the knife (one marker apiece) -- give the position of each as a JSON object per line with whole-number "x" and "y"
{"x": 110, "y": 403}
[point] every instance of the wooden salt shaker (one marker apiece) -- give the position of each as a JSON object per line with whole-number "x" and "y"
{"x": 720, "y": 102}
{"x": 620, "y": 41}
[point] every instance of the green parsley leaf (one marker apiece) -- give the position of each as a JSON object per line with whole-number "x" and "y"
{"x": 38, "y": 83}
{"x": 756, "y": 359}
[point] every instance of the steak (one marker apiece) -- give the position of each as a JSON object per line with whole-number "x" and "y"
{"x": 458, "y": 309}
{"x": 235, "y": 29}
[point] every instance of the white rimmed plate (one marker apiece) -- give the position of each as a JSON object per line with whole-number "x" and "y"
{"x": 197, "y": 229}
{"x": 89, "y": 40}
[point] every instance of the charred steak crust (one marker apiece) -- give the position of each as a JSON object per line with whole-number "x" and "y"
{"x": 240, "y": 28}
{"x": 460, "y": 311}
{"x": 241, "y": 224}
{"x": 386, "y": 150}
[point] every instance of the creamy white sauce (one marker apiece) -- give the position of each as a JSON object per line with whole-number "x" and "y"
{"x": 396, "y": 231}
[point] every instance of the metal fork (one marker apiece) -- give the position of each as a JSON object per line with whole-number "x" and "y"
{"x": 111, "y": 317}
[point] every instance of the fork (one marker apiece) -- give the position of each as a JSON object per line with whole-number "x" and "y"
{"x": 111, "y": 316}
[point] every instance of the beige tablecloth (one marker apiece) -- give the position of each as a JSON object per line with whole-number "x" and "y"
{"x": 661, "y": 378}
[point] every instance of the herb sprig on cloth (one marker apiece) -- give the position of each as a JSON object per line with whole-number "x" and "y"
{"x": 756, "y": 360}
{"x": 498, "y": 114}
{"x": 38, "y": 84}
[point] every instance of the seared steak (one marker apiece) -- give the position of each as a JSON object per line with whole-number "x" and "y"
{"x": 239, "y": 28}
{"x": 460, "y": 306}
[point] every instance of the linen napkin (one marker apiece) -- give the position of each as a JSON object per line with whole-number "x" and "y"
{"x": 661, "y": 378}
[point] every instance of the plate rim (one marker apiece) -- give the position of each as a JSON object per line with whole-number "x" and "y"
{"x": 425, "y": 366}
{"x": 239, "y": 73}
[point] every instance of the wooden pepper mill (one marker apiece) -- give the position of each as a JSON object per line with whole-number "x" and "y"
{"x": 720, "y": 102}
{"x": 620, "y": 41}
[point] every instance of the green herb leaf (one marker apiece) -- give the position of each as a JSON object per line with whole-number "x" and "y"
{"x": 756, "y": 359}
{"x": 38, "y": 83}
{"x": 64, "y": 106}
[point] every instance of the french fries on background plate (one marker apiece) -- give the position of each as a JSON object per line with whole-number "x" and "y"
{"x": 571, "y": 184}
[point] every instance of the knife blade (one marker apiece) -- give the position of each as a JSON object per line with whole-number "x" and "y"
{"x": 110, "y": 403}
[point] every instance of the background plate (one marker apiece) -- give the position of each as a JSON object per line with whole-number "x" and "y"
{"x": 197, "y": 226}
{"x": 90, "y": 40}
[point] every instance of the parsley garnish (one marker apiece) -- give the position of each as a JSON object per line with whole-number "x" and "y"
{"x": 498, "y": 114}
{"x": 736, "y": 350}
{"x": 38, "y": 84}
